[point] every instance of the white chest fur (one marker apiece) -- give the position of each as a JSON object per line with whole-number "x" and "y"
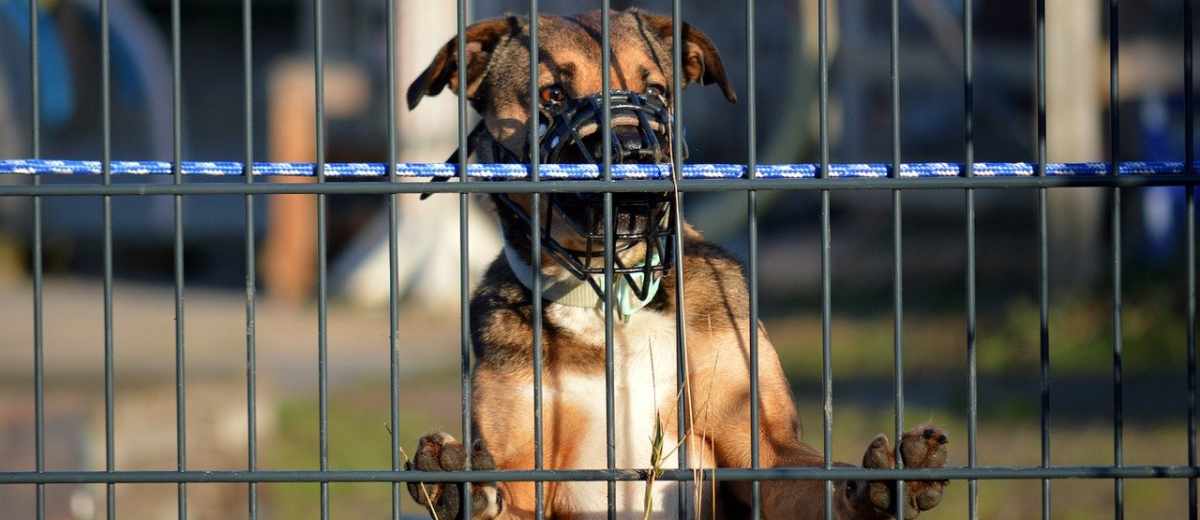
{"x": 644, "y": 378}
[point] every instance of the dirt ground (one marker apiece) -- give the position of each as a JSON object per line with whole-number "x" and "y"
{"x": 144, "y": 379}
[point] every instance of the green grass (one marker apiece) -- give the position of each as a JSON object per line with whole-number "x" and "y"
{"x": 1007, "y": 443}
{"x": 1008, "y": 339}
{"x": 359, "y": 439}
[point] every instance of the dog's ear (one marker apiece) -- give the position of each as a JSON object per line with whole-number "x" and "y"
{"x": 482, "y": 39}
{"x": 701, "y": 61}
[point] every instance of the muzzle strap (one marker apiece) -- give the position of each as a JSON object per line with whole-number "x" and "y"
{"x": 573, "y": 292}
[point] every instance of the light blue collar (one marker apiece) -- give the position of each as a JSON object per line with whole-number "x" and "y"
{"x": 574, "y": 292}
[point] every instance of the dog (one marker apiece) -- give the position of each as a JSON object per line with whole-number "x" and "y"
{"x": 717, "y": 391}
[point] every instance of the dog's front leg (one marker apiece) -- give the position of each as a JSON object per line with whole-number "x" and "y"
{"x": 780, "y": 444}
{"x": 922, "y": 447}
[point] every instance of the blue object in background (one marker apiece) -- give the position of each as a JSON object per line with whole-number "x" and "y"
{"x": 56, "y": 81}
{"x": 1163, "y": 207}
{"x": 140, "y": 64}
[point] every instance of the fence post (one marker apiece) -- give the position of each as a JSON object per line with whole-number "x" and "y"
{"x": 1074, "y": 134}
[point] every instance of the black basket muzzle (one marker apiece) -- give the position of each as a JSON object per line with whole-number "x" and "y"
{"x": 638, "y": 219}
{"x": 571, "y": 133}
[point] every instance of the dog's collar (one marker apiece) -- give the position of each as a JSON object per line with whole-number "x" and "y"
{"x": 574, "y": 292}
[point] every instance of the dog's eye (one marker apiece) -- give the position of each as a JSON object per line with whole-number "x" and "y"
{"x": 553, "y": 95}
{"x": 657, "y": 90}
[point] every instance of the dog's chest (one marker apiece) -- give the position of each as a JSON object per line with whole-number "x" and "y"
{"x": 644, "y": 390}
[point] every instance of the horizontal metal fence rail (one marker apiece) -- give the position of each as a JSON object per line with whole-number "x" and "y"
{"x": 563, "y": 186}
{"x": 593, "y": 475}
{"x": 135, "y": 178}
{"x": 588, "y": 171}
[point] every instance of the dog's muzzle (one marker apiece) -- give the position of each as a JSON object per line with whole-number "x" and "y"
{"x": 641, "y": 124}
{"x": 570, "y": 132}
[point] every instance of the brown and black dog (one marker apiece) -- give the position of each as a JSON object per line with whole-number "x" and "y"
{"x": 644, "y": 341}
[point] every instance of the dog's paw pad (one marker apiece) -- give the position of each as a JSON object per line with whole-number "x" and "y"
{"x": 928, "y": 495}
{"x": 879, "y": 454}
{"x": 922, "y": 447}
{"x": 442, "y": 452}
{"x": 925, "y": 446}
{"x": 436, "y": 452}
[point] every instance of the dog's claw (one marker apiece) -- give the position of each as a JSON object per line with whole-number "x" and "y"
{"x": 922, "y": 447}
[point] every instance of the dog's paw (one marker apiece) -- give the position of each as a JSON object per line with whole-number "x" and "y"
{"x": 923, "y": 447}
{"x": 442, "y": 452}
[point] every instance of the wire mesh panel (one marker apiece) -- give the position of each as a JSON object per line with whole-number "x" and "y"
{"x": 676, "y": 178}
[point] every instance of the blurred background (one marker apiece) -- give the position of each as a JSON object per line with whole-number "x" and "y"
{"x": 1151, "y": 128}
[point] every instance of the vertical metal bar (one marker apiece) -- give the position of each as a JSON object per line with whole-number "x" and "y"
{"x": 106, "y": 172}
{"x": 1191, "y": 344}
{"x": 1189, "y": 155}
{"x": 609, "y": 387}
{"x": 393, "y": 260}
{"x": 177, "y": 170}
{"x": 610, "y": 416}
{"x": 680, "y": 314}
{"x": 248, "y": 173}
{"x": 752, "y": 261}
{"x": 969, "y": 171}
{"x": 535, "y": 260}
{"x": 39, "y": 401}
{"x": 1114, "y": 156}
{"x": 1043, "y": 253}
{"x": 322, "y": 303}
{"x": 826, "y": 285}
{"x": 897, "y": 255}
{"x": 463, "y": 252}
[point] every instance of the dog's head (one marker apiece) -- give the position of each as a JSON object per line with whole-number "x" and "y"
{"x": 570, "y": 114}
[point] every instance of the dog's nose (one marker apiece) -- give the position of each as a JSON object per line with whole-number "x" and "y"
{"x": 629, "y": 140}
{"x": 629, "y": 145}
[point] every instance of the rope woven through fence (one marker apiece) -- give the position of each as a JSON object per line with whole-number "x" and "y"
{"x": 584, "y": 171}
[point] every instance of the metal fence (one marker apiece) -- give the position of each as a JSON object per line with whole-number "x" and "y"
{"x": 967, "y": 176}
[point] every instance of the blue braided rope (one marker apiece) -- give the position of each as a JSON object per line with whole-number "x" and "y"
{"x": 583, "y": 171}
